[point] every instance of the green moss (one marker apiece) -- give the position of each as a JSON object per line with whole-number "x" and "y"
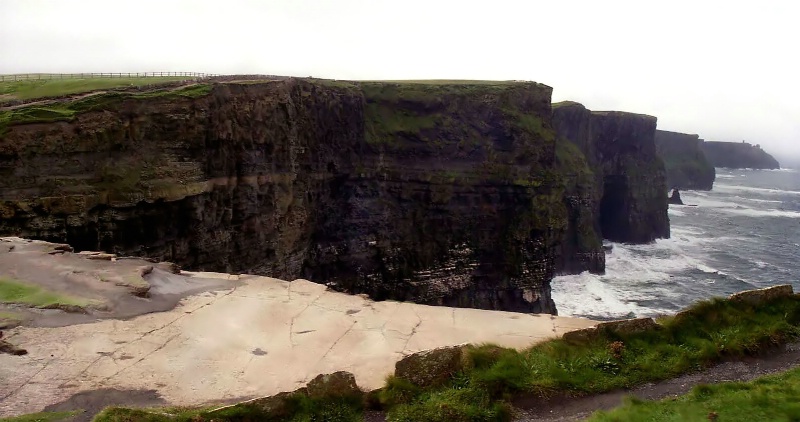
{"x": 772, "y": 398}
{"x": 14, "y": 291}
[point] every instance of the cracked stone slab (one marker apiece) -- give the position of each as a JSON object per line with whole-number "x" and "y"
{"x": 202, "y": 351}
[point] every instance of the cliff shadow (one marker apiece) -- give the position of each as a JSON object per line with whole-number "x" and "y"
{"x": 614, "y": 223}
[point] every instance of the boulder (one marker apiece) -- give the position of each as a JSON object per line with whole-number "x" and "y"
{"x": 756, "y": 297}
{"x": 337, "y": 384}
{"x": 275, "y": 406}
{"x": 431, "y": 367}
{"x": 625, "y": 327}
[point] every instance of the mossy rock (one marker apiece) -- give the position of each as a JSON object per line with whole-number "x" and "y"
{"x": 431, "y": 367}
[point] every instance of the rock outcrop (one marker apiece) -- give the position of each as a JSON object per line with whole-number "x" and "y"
{"x": 439, "y": 194}
{"x": 738, "y": 155}
{"x": 631, "y": 198}
{"x": 684, "y": 161}
{"x": 675, "y": 198}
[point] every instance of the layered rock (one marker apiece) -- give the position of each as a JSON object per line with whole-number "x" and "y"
{"x": 440, "y": 194}
{"x": 684, "y": 160}
{"x": 620, "y": 149}
{"x": 739, "y": 155}
{"x": 581, "y": 246}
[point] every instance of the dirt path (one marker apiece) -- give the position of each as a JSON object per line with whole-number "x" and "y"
{"x": 574, "y": 409}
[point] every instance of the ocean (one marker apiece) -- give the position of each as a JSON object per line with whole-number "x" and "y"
{"x": 744, "y": 234}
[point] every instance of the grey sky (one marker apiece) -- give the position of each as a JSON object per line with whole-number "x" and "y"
{"x": 727, "y": 70}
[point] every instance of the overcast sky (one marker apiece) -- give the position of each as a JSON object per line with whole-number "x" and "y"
{"x": 727, "y": 70}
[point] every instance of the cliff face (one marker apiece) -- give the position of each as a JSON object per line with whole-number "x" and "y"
{"x": 620, "y": 149}
{"x": 581, "y": 248}
{"x": 440, "y": 194}
{"x": 738, "y": 155}
{"x": 684, "y": 161}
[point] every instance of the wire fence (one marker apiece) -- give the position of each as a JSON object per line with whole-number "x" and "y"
{"x": 51, "y": 76}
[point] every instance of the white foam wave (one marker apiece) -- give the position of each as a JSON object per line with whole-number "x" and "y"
{"x": 725, "y": 176}
{"x": 761, "y": 264}
{"x": 635, "y": 276}
{"x": 708, "y": 270}
{"x": 733, "y": 188}
{"x": 675, "y": 212}
{"x": 764, "y": 201}
{"x": 749, "y": 212}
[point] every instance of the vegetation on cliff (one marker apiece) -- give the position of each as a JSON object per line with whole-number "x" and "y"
{"x": 67, "y": 110}
{"x": 771, "y": 398}
{"x": 54, "y": 87}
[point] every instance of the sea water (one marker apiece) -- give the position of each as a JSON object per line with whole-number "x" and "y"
{"x": 744, "y": 234}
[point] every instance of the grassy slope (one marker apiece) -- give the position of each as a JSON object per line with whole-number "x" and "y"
{"x": 67, "y": 110}
{"x": 13, "y": 291}
{"x": 709, "y": 332}
{"x": 772, "y": 398}
{"x": 31, "y": 89}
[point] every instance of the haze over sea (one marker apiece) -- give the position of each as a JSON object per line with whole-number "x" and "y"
{"x": 743, "y": 234}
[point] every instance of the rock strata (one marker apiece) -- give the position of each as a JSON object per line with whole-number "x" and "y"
{"x": 440, "y": 194}
{"x": 620, "y": 150}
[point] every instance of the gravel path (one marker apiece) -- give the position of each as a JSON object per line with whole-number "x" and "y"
{"x": 574, "y": 409}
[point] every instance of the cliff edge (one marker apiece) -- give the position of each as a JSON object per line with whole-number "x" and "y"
{"x": 684, "y": 160}
{"x": 739, "y": 155}
{"x": 620, "y": 149}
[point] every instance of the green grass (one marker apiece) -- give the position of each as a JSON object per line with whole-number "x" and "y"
{"x": 67, "y": 110}
{"x": 445, "y": 82}
{"x": 772, "y": 398}
{"x": 13, "y": 291}
{"x": 708, "y": 332}
{"x": 32, "y": 89}
{"x": 43, "y": 417}
{"x": 298, "y": 408}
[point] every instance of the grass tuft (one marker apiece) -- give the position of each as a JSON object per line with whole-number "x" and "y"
{"x": 13, "y": 291}
{"x": 772, "y": 398}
